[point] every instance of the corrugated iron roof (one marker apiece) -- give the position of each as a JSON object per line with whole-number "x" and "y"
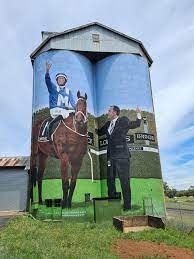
{"x": 56, "y": 34}
{"x": 20, "y": 161}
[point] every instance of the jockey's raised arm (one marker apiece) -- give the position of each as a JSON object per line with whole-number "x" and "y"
{"x": 48, "y": 66}
{"x": 60, "y": 97}
{"x": 51, "y": 87}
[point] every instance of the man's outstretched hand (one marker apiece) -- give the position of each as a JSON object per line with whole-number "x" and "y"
{"x": 48, "y": 66}
{"x": 137, "y": 110}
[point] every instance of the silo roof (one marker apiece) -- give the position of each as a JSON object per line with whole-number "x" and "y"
{"x": 52, "y": 35}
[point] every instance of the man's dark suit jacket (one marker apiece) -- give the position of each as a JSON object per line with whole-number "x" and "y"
{"x": 117, "y": 144}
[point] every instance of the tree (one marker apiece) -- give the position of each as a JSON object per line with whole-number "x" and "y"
{"x": 169, "y": 192}
{"x": 191, "y": 191}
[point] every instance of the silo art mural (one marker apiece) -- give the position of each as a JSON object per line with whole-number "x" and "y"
{"x": 93, "y": 134}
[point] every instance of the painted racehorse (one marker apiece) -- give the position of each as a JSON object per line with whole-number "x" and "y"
{"x": 69, "y": 146}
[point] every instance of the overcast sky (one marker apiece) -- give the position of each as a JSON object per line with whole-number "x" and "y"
{"x": 165, "y": 27}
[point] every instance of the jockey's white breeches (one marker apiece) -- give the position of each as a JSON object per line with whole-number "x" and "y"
{"x": 54, "y": 112}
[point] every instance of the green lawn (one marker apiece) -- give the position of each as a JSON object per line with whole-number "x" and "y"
{"x": 180, "y": 199}
{"x": 183, "y": 222}
{"x": 180, "y": 205}
{"x": 24, "y": 237}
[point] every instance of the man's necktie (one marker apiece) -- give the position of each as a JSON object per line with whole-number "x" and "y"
{"x": 111, "y": 127}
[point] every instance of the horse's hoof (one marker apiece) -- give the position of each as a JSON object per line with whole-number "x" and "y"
{"x": 69, "y": 205}
{"x": 63, "y": 204}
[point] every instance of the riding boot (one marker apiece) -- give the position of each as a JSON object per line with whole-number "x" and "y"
{"x": 50, "y": 126}
{"x": 71, "y": 190}
{"x": 65, "y": 186}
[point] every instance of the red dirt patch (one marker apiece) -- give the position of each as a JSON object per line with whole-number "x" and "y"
{"x": 140, "y": 249}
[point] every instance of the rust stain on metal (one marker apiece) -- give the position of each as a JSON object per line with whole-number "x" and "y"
{"x": 13, "y": 161}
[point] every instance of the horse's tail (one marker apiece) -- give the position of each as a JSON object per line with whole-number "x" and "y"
{"x": 33, "y": 175}
{"x": 33, "y": 160}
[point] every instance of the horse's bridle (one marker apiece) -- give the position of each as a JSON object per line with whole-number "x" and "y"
{"x": 84, "y": 115}
{"x": 74, "y": 130}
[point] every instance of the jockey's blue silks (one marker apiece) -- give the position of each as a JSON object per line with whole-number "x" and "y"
{"x": 58, "y": 98}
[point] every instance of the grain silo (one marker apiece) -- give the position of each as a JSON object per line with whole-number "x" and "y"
{"x": 94, "y": 140}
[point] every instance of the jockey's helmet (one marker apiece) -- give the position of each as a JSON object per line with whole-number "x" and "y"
{"x": 61, "y": 79}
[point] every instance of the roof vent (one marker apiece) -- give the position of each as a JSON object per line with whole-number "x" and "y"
{"x": 96, "y": 37}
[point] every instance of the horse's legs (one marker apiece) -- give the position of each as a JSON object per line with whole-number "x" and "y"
{"x": 65, "y": 187}
{"x": 75, "y": 167}
{"x": 71, "y": 191}
{"x": 65, "y": 180}
{"x": 41, "y": 167}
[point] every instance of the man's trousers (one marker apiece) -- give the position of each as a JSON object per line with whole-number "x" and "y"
{"x": 121, "y": 168}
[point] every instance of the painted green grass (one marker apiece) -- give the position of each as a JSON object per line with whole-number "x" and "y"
{"x": 81, "y": 212}
{"x": 141, "y": 189}
{"x": 25, "y": 238}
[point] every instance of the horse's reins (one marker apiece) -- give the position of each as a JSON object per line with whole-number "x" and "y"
{"x": 85, "y": 116}
{"x": 82, "y": 135}
{"x": 85, "y": 120}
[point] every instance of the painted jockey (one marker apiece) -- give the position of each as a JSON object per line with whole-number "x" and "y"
{"x": 61, "y": 101}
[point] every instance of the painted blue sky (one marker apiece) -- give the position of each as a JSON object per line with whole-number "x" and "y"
{"x": 123, "y": 80}
{"x": 165, "y": 27}
{"x": 116, "y": 77}
{"x": 79, "y": 72}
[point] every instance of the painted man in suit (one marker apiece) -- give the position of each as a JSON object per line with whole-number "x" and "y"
{"x": 118, "y": 155}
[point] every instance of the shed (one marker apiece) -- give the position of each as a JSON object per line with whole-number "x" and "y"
{"x": 13, "y": 183}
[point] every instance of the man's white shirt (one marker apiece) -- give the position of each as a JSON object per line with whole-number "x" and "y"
{"x": 112, "y": 125}
{"x": 139, "y": 115}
